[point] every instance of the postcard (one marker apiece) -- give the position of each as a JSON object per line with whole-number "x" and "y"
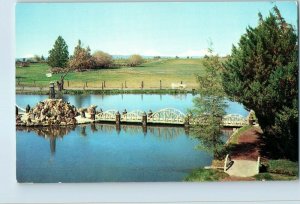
{"x": 156, "y": 91}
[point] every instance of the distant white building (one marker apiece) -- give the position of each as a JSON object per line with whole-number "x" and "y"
{"x": 178, "y": 86}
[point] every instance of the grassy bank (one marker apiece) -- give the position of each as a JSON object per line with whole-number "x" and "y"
{"x": 206, "y": 175}
{"x": 278, "y": 170}
{"x": 109, "y": 91}
{"x": 235, "y": 136}
{"x": 167, "y": 70}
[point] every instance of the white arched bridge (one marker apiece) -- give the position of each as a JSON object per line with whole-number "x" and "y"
{"x": 170, "y": 116}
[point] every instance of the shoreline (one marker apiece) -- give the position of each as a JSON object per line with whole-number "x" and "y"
{"x": 32, "y": 91}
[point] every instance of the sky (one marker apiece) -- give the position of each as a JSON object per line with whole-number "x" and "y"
{"x": 145, "y": 28}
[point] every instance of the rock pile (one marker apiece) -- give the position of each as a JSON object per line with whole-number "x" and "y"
{"x": 49, "y": 112}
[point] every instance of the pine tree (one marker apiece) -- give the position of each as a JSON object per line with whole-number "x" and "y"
{"x": 59, "y": 55}
{"x": 209, "y": 107}
{"x": 262, "y": 74}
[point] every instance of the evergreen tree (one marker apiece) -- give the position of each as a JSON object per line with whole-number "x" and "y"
{"x": 59, "y": 55}
{"x": 209, "y": 107}
{"x": 262, "y": 74}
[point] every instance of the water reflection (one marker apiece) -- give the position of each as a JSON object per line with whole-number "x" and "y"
{"x": 51, "y": 133}
{"x": 166, "y": 133}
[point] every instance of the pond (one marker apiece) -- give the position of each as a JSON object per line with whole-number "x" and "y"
{"x": 110, "y": 153}
{"x": 130, "y": 102}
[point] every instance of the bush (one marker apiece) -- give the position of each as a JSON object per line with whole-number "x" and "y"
{"x": 81, "y": 59}
{"x": 274, "y": 177}
{"x": 135, "y": 60}
{"x": 282, "y": 167}
{"x": 57, "y": 70}
{"x": 102, "y": 59}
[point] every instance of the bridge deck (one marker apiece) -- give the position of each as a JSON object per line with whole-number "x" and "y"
{"x": 168, "y": 116}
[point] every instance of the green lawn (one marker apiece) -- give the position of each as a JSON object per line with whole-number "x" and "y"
{"x": 167, "y": 70}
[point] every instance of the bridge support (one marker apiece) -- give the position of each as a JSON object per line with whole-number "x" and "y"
{"x": 144, "y": 119}
{"x": 187, "y": 122}
{"x": 17, "y": 111}
{"x": 51, "y": 90}
{"x": 118, "y": 118}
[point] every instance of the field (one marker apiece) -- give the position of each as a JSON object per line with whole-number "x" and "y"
{"x": 167, "y": 70}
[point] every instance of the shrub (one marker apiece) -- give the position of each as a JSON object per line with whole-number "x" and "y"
{"x": 102, "y": 59}
{"x": 282, "y": 167}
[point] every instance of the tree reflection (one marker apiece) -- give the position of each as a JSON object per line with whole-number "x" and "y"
{"x": 53, "y": 133}
{"x": 50, "y": 132}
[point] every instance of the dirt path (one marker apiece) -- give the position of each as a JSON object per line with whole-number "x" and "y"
{"x": 244, "y": 155}
{"x": 248, "y": 145}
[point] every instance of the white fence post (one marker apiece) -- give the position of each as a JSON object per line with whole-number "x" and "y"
{"x": 225, "y": 163}
{"x": 258, "y": 165}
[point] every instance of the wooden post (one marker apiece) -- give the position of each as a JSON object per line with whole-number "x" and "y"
{"x": 144, "y": 119}
{"x": 122, "y": 86}
{"x": 68, "y": 83}
{"x": 125, "y": 85}
{"x": 142, "y": 85}
{"x": 51, "y": 90}
{"x": 104, "y": 85}
{"x": 159, "y": 84}
{"x": 86, "y": 84}
{"x": 17, "y": 111}
{"x": 118, "y": 118}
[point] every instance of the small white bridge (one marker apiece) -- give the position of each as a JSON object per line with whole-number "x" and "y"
{"x": 166, "y": 116}
{"x": 170, "y": 116}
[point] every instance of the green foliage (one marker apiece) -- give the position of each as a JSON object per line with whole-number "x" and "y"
{"x": 206, "y": 175}
{"x": 262, "y": 74}
{"x": 135, "y": 60}
{"x": 209, "y": 107}
{"x": 274, "y": 177}
{"x": 282, "y": 167}
{"x": 81, "y": 59}
{"x": 59, "y": 54}
{"x": 102, "y": 59}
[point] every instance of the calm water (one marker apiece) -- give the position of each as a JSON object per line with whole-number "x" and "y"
{"x": 130, "y": 102}
{"x": 103, "y": 153}
{"x": 95, "y": 153}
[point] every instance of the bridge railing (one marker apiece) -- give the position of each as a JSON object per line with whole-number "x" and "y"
{"x": 164, "y": 116}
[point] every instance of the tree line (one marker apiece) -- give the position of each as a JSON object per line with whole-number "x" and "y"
{"x": 82, "y": 59}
